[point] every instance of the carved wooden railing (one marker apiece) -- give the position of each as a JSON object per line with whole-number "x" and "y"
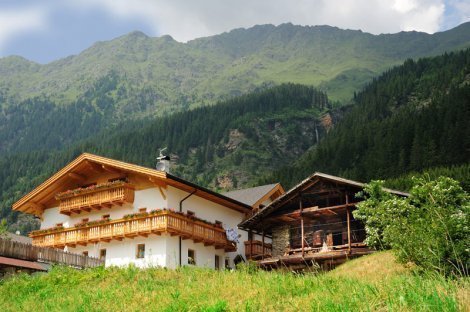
{"x": 254, "y": 249}
{"x": 163, "y": 222}
{"x": 96, "y": 198}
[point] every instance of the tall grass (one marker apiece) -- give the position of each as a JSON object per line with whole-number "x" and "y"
{"x": 384, "y": 287}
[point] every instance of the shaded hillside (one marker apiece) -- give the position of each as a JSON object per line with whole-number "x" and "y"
{"x": 413, "y": 117}
{"x": 224, "y": 146}
{"x": 135, "y": 76}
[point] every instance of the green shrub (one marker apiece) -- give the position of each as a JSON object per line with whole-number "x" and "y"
{"x": 430, "y": 228}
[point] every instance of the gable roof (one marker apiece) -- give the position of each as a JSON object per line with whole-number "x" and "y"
{"x": 276, "y": 204}
{"x": 254, "y": 196}
{"x": 30, "y": 202}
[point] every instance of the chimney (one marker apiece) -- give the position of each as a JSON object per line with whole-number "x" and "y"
{"x": 163, "y": 162}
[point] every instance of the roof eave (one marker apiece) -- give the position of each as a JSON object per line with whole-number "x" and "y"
{"x": 20, "y": 204}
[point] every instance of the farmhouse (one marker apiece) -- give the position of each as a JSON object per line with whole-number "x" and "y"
{"x": 311, "y": 223}
{"x": 124, "y": 213}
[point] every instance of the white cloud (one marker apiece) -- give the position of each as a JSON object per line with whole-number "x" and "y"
{"x": 185, "y": 20}
{"x": 15, "y": 22}
{"x": 428, "y": 20}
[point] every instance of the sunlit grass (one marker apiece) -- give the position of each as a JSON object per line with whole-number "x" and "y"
{"x": 374, "y": 283}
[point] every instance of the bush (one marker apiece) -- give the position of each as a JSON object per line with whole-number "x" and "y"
{"x": 430, "y": 228}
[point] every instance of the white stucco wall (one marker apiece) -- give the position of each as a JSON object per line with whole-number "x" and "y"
{"x": 204, "y": 255}
{"x": 123, "y": 253}
{"x": 212, "y": 212}
{"x": 159, "y": 250}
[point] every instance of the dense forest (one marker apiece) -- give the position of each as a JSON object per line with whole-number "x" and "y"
{"x": 224, "y": 146}
{"x": 411, "y": 118}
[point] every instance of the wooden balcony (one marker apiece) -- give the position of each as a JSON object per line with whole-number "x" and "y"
{"x": 163, "y": 222}
{"x": 104, "y": 197}
{"x": 254, "y": 250}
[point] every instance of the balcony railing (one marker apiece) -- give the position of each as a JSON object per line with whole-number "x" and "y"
{"x": 163, "y": 222}
{"x": 254, "y": 249}
{"x": 17, "y": 250}
{"x": 114, "y": 194}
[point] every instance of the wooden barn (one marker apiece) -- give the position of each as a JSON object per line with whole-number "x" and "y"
{"x": 311, "y": 224}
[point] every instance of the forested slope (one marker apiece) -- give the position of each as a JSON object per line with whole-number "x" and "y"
{"x": 224, "y": 146}
{"x": 413, "y": 117}
{"x": 136, "y": 76}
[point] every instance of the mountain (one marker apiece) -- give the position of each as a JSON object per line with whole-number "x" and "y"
{"x": 228, "y": 64}
{"x": 411, "y": 118}
{"x": 136, "y": 76}
{"x": 129, "y": 97}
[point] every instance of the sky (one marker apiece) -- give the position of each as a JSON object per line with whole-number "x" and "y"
{"x": 46, "y": 30}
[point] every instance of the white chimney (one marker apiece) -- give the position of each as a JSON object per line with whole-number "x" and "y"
{"x": 163, "y": 162}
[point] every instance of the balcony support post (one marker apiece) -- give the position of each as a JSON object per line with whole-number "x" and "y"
{"x": 302, "y": 224}
{"x": 250, "y": 238}
{"x": 348, "y": 220}
{"x": 262, "y": 244}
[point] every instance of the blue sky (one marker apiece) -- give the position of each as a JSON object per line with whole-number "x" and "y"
{"x": 46, "y": 30}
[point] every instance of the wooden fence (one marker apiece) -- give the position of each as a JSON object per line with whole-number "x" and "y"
{"x": 17, "y": 250}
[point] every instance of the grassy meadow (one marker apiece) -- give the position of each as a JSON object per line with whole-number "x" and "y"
{"x": 371, "y": 283}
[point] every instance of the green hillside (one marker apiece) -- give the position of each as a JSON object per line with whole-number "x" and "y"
{"x": 370, "y": 283}
{"x": 135, "y": 76}
{"x": 411, "y": 118}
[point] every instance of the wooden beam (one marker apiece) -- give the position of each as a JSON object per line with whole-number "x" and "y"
{"x": 111, "y": 169}
{"x": 157, "y": 182}
{"x": 262, "y": 245}
{"x": 160, "y": 184}
{"x": 37, "y": 207}
{"x": 296, "y": 213}
{"x": 302, "y": 223}
{"x": 250, "y": 234}
{"x": 349, "y": 223}
{"x": 162, "y": 192}
{"x": 77, "y": 177}
{"x": 322, "y": 191}
{"x": 93, "y": 167}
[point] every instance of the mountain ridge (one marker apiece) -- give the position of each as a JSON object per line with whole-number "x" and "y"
{"x": 283, "y": 39}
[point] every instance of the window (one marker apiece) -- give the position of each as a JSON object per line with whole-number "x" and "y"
{"x": 85, "y": 253}
{"x": 105, "y": 217}
{"x": 227, "y": 263}
{"x": 217, "y": 262}
{"x": 103, "y": 254}
{"x": 191, "y": 257}
{"x": 142, "y": 209}
{"x": 140, "y": 251}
